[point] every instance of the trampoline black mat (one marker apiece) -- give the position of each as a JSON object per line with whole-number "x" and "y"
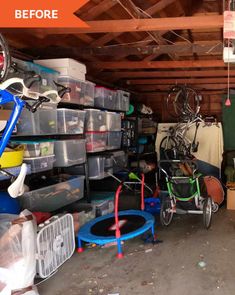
{"x": 127, "y": 224}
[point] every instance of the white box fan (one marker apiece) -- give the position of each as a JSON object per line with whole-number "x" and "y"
{"x": 55, "y": 244}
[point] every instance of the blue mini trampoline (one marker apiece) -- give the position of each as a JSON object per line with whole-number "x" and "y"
{"x": 118, "y": 226}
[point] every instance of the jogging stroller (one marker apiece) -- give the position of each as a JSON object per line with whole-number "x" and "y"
{"x": 187, "y": 193}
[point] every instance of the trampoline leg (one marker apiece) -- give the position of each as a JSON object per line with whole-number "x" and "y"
{"x": 119, "y": 248}
{"x": 79, "y": 249}
{"x": 153, "y": 233}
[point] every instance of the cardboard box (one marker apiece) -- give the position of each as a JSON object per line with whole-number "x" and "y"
{"x": 231, "y": 198}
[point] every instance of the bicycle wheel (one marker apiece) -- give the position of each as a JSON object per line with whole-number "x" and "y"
{"x": 166, "y": 211}
{"x": 168, "y": 147}
{"x": 207, "y": 212}
{"x": 5, "y": 59}
{"x": 175, "y": 101}
{"x": 192, "y": 102}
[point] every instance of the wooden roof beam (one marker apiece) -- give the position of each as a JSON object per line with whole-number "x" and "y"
{"x": 151, "y": 88}
{"x": 166, "y": 74}
{"x": 159, "y": 64}
{"x": 185, "y": 48}
{"x": 140, "y": 25}
{"x": 189, "y": 81}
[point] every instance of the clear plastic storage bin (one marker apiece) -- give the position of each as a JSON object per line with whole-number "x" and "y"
{"x": 96, "y": 166}
{"x": 75, "y": 85}
{"x": 70, "y": 121}
{"x": 40, "y": 164}
{"x": 48, "y": 119}
{"x": 122, "y": 101}
{"x": 95, "y": 120}
{"x": 105, "y": 98}
{"x": 114, "y": 140}
{"x": 25, "y": 69}
{"x": 113, "y": 121}
{"x": 42, "y": 122}
{"x": 28, "y": 123}
{"x": 87, "y": 93}
{"x": 36, "y": 148}
{"x": 119, "y": 160}
{"x": 96, "y": 141}
{"x": 69, "y": 152}
{"x": 47, "y": 199}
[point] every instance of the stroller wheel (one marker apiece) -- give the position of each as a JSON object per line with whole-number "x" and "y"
{"x": 166, "y": 212}
{"x": 207, "y": 212}
{"x": 215, "y": 207}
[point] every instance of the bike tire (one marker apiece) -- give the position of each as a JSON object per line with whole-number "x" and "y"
{"x": 192, "y": 102}
{"x": 175, "y": 102}
{"x": 166, "y": 211}
{"x": 207, "y": 212}
{"x": 5, "y": 58}
{"x": 169, "y": 147}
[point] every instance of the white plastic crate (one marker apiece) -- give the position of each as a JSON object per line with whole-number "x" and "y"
{"x": 96, "y": 141}
{"x": 69, "y": 152}
{"x": 70, "y": 121}
{"x": 113, "y": 121}
{"x": 105, "y": 98}
{"x": 40, "y": 164}
{"x": 50, "y": 198}
{"x": 95, "y": 120}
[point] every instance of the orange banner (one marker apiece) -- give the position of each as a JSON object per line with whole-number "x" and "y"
{"x": 40, "y": 14}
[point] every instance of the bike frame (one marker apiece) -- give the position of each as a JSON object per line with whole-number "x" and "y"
{"x": 6, "y": 97}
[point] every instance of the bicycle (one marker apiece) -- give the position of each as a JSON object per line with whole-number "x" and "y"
{"x": 176, "y": 144}
{"x": 183, "y": 102}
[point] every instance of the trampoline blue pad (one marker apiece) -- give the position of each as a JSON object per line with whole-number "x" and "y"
{"x": 85, "y": 233}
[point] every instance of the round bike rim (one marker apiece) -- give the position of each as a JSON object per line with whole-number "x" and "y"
{"x": 166, "y": 213}
{"x": 5, "y": 59}
{"x": 207, "y": 212}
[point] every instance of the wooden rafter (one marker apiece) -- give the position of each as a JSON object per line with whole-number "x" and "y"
{"x": 185, "y": 48}
{"x": 96, "y": 10}
{"x": 159, "y": 64}
{"x": 189, "y": 81}
{"x": 135, "y": 13}
{"x": 153, "y": 9}
{"x": 140, "y": 25}
{"x": 147, "y": 88}
{"x": 166, "y": 74}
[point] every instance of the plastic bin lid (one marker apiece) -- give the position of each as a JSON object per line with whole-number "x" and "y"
{"x": 32, "y": 141}
{"x": 44, "y": 69}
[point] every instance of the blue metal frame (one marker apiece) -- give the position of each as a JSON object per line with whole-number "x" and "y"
{"x": 86, "y": 235}
{"x": 6, "y": 97}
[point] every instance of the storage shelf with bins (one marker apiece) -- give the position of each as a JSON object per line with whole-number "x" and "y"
{"x": 139, "y": 137}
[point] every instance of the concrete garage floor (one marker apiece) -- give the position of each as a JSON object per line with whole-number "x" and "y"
{"x": 170, "y": 268}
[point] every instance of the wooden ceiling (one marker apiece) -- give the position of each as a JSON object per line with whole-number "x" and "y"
{"x": 143, "y": 46}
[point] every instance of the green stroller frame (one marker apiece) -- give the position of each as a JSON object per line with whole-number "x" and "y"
{"x": 185, "y": 190}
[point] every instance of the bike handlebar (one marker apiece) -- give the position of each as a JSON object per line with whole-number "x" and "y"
{"x": 193, "y": 163}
